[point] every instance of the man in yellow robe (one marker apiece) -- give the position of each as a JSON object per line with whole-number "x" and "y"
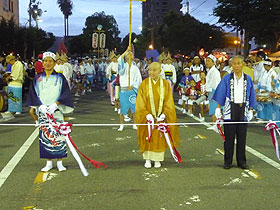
{"x": 155, "y": 103}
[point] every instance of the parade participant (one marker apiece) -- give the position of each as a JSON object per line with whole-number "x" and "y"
{"x": 267, "y": 77}
{"x": 258, "y": 66}
{"x": 68, "y": 69}
{"x": 80, "y": 78}
{"x": 196, "y": 68}
{"x": 102, "y": 73}
{"x": 90, "y": 73}
{"x": 15, "y": 81}
{"x": 155, "y": 104}
{"x": 50, "y": 93}
{"x": 192, "y": 95}
{"x": 237, "y": 96}
{"x": 111, "y": 74}
{"x": 202, "y": 95}
{"x": 183, "y": 86}
{"x": 128, "y": 89}
{"x": 38, "y": 65}
{"x": 168, "y": 72}
{"x": 213, "y": 78}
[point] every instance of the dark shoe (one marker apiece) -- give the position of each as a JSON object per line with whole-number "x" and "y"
{"x": 244, "y": 166}
{"x": 227, "y": 166}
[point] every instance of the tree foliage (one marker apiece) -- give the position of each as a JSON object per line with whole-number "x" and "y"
{"x": 84, "y": 40}
{"x": 23, "y": 41}
{"x": 256, "y": 17}
{"x": 186, "y": 34}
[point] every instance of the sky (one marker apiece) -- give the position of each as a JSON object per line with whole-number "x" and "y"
{"x": 52, "y": 20}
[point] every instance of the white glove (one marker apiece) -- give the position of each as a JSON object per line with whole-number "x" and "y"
{"x": 43, "y": 108}
{"x": 52, "y": 108}
{"x": 161, "y": 118}
{"x": 36, "y": 123}
{"x": 218, "y": 113}
{"x": 150, "y": 117}
{"x": 250, "y": 115}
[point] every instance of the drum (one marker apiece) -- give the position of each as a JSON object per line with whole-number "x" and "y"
{"x": 3, "y": 101}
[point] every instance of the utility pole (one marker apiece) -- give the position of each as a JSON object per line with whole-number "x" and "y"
{"x": 29, "y": 12}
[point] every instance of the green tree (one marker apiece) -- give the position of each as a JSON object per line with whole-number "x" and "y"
{"x": 23, "y": 41}
{"x": 255, "y": 17}
{"x": 185, "y": 34}
{"x": 109, "y": 25}
{"x": 267, "y": 29}
{"x": 66, "y": 7}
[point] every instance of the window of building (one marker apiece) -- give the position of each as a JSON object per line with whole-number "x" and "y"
{"x": 12, "y": 5}
{"x": 9, "y": 5}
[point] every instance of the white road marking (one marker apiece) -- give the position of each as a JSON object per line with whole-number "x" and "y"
{"x": 7, "y": 170}
{"x": 249, "y": 149}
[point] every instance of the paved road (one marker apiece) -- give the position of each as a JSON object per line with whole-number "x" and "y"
{"x": 199, "y": 182}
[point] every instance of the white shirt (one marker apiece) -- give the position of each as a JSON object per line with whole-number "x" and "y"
{"x": 90, "y": 69}
{"x": 213, "y": 78}
{"x": 258, "y": 70}
{"x": 113, "y": 66}
{"x": 266, "y": 79}
{"x": 238, "y": 89}
{"x": 195, "y": 68}
{"x": 135, "y": 75}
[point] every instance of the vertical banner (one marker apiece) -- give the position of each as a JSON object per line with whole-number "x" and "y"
{"x": 95, "y": 40}
{"x": 102, "y": 40}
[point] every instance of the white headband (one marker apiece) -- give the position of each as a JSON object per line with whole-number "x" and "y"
{"x": 49, "y": 54}
{"x": 267, "y": 63}
{"x": 213, "y": 58}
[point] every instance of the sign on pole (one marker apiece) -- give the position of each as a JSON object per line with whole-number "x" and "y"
{"x": 102, "y": 40}
{"x": 95, "y": 40}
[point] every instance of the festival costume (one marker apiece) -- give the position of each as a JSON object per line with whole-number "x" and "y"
{"x": 47, "y": 92}
{"x": 169, "y": 73}
{"x": 213, "y": 78}
{"x": 202, "y": 89}
{"x": 128, "y": 97}
{"x": 237, "y": 96}
{"x": 195, "y": 68}
{"x": 112, "y": 71}
{"x": 184, "y": 85}
{"x": 258, "y": 70}
{"x": 149, "y": 101}
{"x": 15, "y": 88}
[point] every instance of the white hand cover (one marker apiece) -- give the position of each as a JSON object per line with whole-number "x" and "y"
{"x": 150, "y": 117}
{"x": 218, "y": 113}
{"x": 161, "y": 118}
{"x": 52, "y": 108}
{"x": 43, "y": 108}
{"x": 250, "y": 115}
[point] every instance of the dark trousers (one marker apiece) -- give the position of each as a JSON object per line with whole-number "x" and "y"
{"x": 238, "y": 131}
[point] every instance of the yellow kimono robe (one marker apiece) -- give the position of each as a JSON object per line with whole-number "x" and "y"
{"x": 157, "y": 142}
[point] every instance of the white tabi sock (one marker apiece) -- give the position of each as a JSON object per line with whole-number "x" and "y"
{"x": 119, "y": 111}
{"x": 116, "y": 109}
{"x": 59, "y": 165}
{"x": 148, "y": 164}
{"x": 121, "y": 128}
{"x": 48, "y": 166}
{"x": 134, "y": 127}
{"x": 157, "y": 164}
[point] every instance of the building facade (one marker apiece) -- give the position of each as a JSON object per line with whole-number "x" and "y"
{"x": 154, "y": 10}
{"x": 9, "y": 9}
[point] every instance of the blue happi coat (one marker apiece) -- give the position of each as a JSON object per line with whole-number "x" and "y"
{"x": 224, "y": 95}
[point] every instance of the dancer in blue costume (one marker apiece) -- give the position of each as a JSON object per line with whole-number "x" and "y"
{"x": 50, "y": 93}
